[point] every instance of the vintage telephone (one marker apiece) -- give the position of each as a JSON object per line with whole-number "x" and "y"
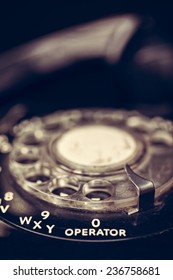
{"x": 86, "y": 147}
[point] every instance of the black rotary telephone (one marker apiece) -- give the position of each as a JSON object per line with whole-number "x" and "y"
{"x": 86, "y": 142}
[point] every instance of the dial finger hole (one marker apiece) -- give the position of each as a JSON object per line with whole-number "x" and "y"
{"x": 98, "y": 190}
{"x": 41, "y": 176}
{"x": 64, "y": 187}
{"x": 33, "y": 139}
{"x": 26, "y": 160}
{"x": 53, "y": 126}
{"x": 25, "y": 156}
{"x": 38, "y": 178}
{"x": 63, "y": 191}
{"x": 98, "y": 195}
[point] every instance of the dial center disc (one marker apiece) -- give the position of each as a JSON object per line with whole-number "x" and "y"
{"x": 95, "y": 145}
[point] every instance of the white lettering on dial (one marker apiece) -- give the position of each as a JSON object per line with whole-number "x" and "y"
{"x": 37, "y": 225}
{"x": 8, "y": 196}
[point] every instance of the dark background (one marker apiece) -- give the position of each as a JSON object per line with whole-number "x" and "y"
{"x": 21, "y": 21}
